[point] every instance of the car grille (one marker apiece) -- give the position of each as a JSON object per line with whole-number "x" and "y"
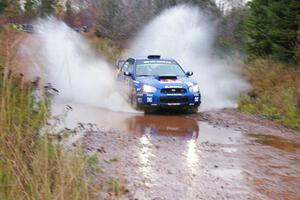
{"x": 173, "y": 91}
{"x": 173, "y": 99}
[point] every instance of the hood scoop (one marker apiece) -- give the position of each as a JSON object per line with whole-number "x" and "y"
{"x": 167, "y": 78}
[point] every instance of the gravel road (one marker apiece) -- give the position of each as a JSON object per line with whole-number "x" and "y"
{"x": 220, "y": 154}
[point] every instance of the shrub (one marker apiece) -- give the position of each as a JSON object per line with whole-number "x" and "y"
{"x": 275, "y": 92}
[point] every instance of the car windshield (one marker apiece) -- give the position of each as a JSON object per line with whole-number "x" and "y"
{"x": 159, "y": 69}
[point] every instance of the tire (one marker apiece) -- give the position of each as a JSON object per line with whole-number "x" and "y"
{"x": 193, "y": 110}
{"x": 149, "y": 111}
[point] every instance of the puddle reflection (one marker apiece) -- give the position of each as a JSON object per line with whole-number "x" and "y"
{"x": 192, "y": 156}
{"x": 276, "y": 142}
{"x": 163, "y": 125}
{"x": 145, "y": 155}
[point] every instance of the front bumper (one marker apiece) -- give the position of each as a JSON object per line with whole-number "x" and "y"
{"x": 168, "y": 100}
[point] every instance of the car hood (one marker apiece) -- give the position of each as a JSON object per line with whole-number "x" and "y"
{"x": 162, "y": 82}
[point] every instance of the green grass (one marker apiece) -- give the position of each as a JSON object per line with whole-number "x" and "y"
{"x": 275, "y": 92}
{"x": 117, "y": 188}
{"x": 33, "y": 163}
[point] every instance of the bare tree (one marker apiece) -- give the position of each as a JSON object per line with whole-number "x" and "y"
{"x": 119, "y": 20}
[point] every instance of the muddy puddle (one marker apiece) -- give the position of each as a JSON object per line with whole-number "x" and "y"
{"x": 178, "y": 157}
{"x": 276, "y": 142}
{"x": 180, "y": 126}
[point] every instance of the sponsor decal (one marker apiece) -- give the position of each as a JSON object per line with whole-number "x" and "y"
{"x": 173, "y": 86}
{"x": 149, "y": 99}
{"x": 157, "y": 61}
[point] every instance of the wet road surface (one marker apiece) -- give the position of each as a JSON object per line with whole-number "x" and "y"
{"x": 178, "y": 157}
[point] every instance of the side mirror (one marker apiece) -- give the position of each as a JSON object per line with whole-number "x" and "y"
{"x": 127, "y": 74}
{"x": 189, "y": 73}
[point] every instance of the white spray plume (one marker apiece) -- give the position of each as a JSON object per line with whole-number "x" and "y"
{"x": 187, "y": 35}
{"x": 69, "y": 64}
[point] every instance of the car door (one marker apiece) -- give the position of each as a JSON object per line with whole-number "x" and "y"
{"x": 126, "y": 81}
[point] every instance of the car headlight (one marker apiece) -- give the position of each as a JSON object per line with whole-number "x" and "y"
{"x": 149, "y": 89}
{"x": 194, "y": 88}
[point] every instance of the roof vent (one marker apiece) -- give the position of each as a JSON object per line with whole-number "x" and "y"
{"x": 154, "y": 57}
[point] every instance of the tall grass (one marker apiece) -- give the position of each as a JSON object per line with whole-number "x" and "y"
{"x": 33, "y": 163}
{"x": 275, "y": 92}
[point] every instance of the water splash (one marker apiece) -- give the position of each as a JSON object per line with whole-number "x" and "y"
{"x": 63, "y": 58}
{"x": 187, "y": 35}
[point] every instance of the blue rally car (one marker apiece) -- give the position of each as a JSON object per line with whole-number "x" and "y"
{"x": 154, "y": 82}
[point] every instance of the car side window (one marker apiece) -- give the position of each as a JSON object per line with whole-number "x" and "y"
{"x": 127, "y": 67}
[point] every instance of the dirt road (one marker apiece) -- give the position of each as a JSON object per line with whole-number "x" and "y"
{"x": 211, "y": 155}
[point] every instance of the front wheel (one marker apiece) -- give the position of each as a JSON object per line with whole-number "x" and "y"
{"x": 192, "y": 110}
{"x": 148, "y": 111}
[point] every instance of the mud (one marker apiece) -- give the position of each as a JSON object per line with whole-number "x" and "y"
{"x": 212, "y": 155}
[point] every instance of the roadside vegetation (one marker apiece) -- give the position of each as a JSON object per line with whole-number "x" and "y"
{"x": 272, "y": 37}
{"x": 267, "y": 34}
{"x": 34, "y": 163}
{"x": 275, "y": 91}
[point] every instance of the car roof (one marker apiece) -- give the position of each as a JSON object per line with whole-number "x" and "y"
{"x": 156, "y": 57}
